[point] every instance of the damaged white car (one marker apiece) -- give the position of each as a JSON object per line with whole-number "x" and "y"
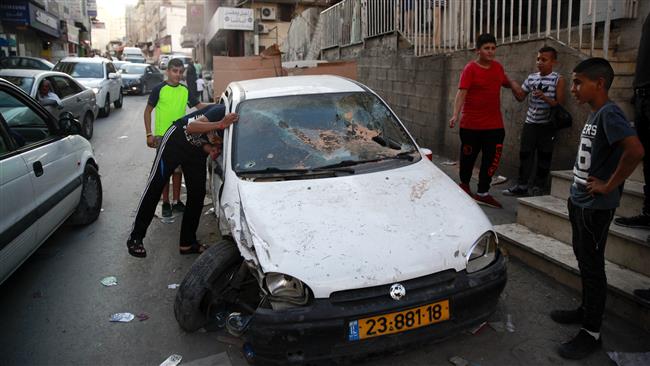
{"x": 340, "y": 237}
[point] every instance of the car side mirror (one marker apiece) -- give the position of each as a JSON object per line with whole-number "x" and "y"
{"x": 47, "y": 102}
{"x": 112, "y": 75}
{"x": 426, "y": 152}
{"x": 69, "y": 125}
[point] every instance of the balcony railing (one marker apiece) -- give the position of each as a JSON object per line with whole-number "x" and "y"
{"x": 438, "y": 26}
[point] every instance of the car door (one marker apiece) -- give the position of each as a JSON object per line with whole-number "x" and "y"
{"x": 115, "y": 84}
{"x": 69, "y": 101}
{"x": 17, "y": 237}
{"x": 52, "y": 161}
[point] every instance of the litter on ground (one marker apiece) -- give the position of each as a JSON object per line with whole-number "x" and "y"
{"x": 109, "y": 281}
{"x": 173, "y": 286}
{"x": 122, "y": 317}
{"x": 172, "y": 360}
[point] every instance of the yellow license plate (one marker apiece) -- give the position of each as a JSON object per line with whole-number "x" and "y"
{"x": 399, "y": 321}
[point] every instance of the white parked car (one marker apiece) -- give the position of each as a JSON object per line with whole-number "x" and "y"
{"x": 340, "y": 236}
{"x": 98, "y": 74}
{"x": 48, "y": 175}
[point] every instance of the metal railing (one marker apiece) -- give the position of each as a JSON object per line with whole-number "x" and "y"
{"x": 438, "y": 26}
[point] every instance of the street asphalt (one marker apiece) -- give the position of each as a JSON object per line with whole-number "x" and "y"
{"x": 55, "y": 311}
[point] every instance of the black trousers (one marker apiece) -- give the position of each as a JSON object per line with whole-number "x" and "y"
{"x": 472, "y": 142}
{"x": 642, "y": 125}
{"x": 174, "y": 150}
{"x": 590, "y": 228}
{"x": 536, "y": 139}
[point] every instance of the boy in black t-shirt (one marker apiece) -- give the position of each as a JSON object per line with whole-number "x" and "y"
{"x": 186, "y": 143}
{"x": 609, "y": 151}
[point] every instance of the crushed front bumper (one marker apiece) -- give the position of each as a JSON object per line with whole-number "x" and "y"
{"x": 319, "y": 331}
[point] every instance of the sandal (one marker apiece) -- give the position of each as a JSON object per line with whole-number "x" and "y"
{"x": 136, "y": 248}
{"x": 195, "y": 248}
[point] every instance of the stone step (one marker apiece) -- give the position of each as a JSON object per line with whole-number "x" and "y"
{"x": 631, "y": 202}
{"x": 623, "y": 67}
{"x": 623, "y": 81}
{"x": 556, "y": 259}
{"x": 549, "y": 216}
{"x": 627, "y": 56}
{"x": 637, "y": 174}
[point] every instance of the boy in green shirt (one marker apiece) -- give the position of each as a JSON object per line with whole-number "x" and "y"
{"x": 169, "y": 99}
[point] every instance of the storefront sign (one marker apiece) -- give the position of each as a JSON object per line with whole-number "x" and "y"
{"x": 73, "y": 34}
{"x": 14, "y": 13}
{"x": 91, "y": 7}
{"x": 194, "y": 18}
{"x": 237, "y": 18}
{"x": 46, "y": 19}
{"x": 43, "y": 21}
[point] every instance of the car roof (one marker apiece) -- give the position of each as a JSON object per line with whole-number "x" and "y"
{"x": 95, "y": 60}
{"x": 29, "y": 73}
{"x": 294, "y": 85}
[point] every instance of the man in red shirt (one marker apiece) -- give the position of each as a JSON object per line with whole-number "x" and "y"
{"x": 481, "y": 125}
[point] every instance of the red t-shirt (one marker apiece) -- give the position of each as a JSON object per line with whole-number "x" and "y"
{"x": 482, "y": 107}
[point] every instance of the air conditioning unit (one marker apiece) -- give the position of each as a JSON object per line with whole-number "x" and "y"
{"x": 268, "y": 13}
{"x": 262, "y": 28}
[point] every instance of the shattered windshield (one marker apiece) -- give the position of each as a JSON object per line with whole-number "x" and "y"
{"x": 314, "y": 131}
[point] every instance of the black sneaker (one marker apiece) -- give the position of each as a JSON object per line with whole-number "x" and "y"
{"x": 515, "y": 190}
{"x": 640, "y": 221}
{"x": 178, "y": 207}
{"x": 166, "y": 209}
{"x": 581, "y": 346}
{"x": 567, "y": 316}
{"x": 643, "y": 295}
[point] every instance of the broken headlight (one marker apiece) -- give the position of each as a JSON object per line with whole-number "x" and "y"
{"x": 284, "y": 288}
{"x": 482, "y": 253}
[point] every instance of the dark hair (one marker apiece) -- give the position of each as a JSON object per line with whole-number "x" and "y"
{"x": 594, "y": 68}
{"x": 485, "y": 38}
{"x": 550, "y": 50}
{"x": 175, "y": 62}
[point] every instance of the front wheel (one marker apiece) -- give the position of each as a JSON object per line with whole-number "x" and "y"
{"x": 90, "y": 203}
{"x": 106, "y": 110}
{"x": 120, "y": 100}
{"x": 206, "y": 284}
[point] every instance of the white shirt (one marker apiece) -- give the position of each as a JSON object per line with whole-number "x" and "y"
{"x": 199, "y": 84}
{"x": 50, "y": 95}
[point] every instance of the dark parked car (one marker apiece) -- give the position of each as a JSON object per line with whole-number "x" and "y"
{"x": 24, "y": 62}
{"x": 140, "y": 78}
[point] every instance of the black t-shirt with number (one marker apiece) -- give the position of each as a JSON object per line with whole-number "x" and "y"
{"x": 599, "y": 155}
{"x": 214, "y": 113}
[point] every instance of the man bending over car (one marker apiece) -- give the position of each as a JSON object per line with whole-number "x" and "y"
{"x": 186, "y": 143}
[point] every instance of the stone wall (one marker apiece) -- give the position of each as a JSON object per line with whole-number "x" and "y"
{"x": 421, "y": 91}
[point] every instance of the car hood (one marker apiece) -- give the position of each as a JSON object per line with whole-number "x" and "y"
{"x": 362, "y": 230}
{"x": 90, "y": 82}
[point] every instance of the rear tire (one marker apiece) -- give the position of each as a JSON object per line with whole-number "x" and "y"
{"x": 91, "y": 198}
{"x": 87, "y": 126}
{"x": 208, "y": 276}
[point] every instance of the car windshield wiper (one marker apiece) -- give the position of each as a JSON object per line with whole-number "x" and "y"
{"x": 274, "y": 170}
{"x": 406, "y": 155}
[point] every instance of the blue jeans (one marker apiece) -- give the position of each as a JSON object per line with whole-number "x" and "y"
{"x": 590, "y": 228}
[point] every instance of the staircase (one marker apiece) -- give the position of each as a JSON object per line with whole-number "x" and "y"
{"x": 541, "y": 238}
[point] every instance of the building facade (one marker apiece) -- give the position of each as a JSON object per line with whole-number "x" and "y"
{"x": 45, "y": 28}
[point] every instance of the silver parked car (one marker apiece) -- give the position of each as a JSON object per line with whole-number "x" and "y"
{"x": 75, "y": 98}
{"x": 98, "y": 74}
{"x": 49, "y": 175}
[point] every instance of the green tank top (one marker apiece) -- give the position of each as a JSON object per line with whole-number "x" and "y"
{"x": 170, "y": 102}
